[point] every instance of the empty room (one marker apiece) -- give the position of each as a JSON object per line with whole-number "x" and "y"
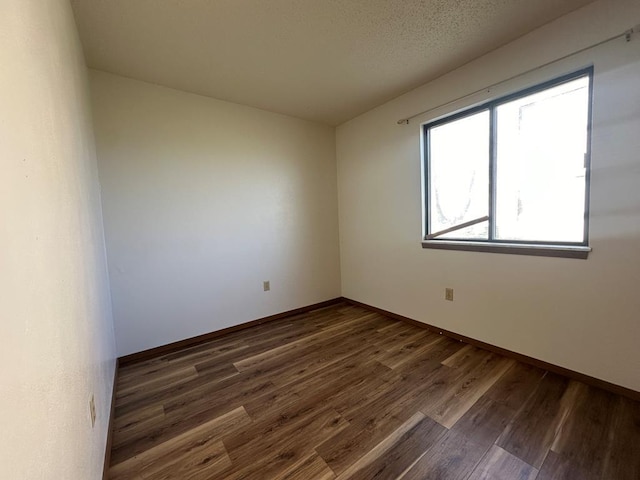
{"x": 320, "y": 239}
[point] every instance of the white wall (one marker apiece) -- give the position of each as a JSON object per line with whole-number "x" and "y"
{"x": 580, "y": 314}
{"x": 205, "y": 199}
{"x": 55, "y": 313}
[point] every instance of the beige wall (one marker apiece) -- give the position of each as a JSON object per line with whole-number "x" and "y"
{"x": 203, "y": 201}
{"x": 583, "y": 315}
{"x": 55, "y": 313}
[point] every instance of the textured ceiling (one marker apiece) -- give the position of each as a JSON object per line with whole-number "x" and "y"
{"x": 323, "y": 60}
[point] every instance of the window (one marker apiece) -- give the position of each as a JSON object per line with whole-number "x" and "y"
{"x": 512, "y": 175}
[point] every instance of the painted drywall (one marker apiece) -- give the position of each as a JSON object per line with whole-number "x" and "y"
{"x": 203, "y": 201}
{"x": 56, "y": 328}
{"x": 579, "y": 314}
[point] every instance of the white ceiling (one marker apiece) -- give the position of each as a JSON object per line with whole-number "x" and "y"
{"x": 322, "y": 60}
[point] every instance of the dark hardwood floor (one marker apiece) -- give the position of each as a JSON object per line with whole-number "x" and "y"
{"x": 348, "y": 394}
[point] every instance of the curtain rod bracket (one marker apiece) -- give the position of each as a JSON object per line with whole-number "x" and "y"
{"x": 404, "y": 121}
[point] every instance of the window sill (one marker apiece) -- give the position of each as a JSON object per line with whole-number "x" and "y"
{"x": 511, "y": 248}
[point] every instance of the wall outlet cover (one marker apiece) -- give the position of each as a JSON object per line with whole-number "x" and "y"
{"x": 92, "y": 410}
{"x": 448, "y": 294}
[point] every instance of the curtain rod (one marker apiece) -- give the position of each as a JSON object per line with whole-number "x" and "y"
{"x": 626, "y": 34}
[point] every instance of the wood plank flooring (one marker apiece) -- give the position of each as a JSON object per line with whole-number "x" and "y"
{"x": 344, "y": 393}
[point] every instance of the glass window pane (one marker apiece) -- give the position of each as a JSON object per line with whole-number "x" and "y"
{"x": 459, "y": 175}
{"x": 540, "y": 165}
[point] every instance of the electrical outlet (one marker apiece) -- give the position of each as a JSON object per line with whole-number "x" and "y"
{"x": 92, "y": 411}
{"x": 266, "y": 285}
{"x": 448, "y": 294}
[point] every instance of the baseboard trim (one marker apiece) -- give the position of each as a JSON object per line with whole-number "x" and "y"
{"x": 581, "y": 377}
{"x": 110, "y": 426}
{"x": 190, "y": 342}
